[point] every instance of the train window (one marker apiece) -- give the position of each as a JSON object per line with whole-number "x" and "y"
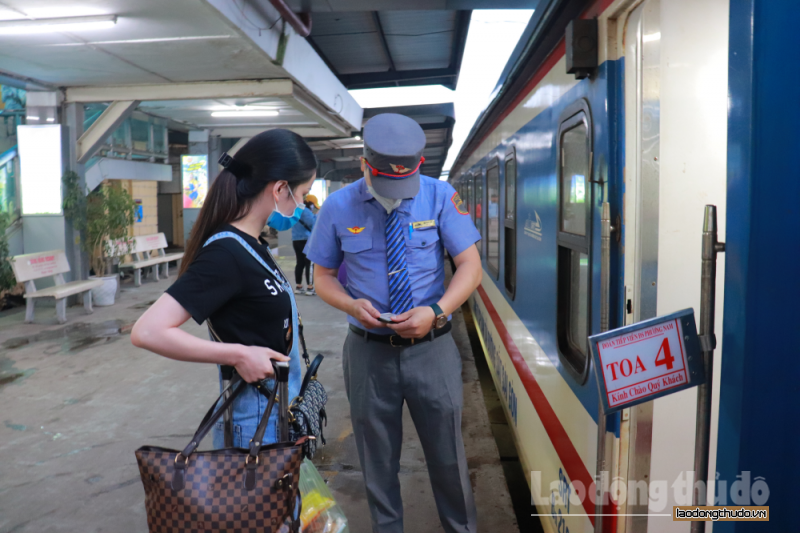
{"x": 575, "y": 163}
{"x": 510, "y": 224}
{"x": 478, "y": 184}
{"x": 493, "y": 230}
{"x": 574, "y": 225}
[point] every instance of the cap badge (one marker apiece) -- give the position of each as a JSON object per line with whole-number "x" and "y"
{"x": 356, "y": 230}
{"x": 400, "y": 169}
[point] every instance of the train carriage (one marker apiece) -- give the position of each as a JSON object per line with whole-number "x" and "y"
{"x": 643, "y": 135}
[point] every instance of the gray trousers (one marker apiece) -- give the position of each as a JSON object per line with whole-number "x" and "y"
{"x": 378, "y": 379}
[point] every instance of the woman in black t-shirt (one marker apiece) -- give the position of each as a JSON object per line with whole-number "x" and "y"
{"x": 229, "y": 278}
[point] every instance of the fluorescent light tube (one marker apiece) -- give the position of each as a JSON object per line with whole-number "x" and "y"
{"x": 27, "y": 26}
{"x": 244, "y": 114}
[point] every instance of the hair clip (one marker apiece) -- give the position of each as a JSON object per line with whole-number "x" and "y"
{"x": 237, "y": 168}
{"x": 225, "y": 160}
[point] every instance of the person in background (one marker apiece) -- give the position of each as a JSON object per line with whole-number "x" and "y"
{"x": 300, "y": 235}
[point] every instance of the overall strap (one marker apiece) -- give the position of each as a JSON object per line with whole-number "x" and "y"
{"x": 256, "y": 256}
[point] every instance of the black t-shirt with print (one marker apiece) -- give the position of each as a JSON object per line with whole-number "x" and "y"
{"x": 241, "y": 298}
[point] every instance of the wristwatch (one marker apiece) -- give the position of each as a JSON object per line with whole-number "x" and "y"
{"x": 441, "y": 319}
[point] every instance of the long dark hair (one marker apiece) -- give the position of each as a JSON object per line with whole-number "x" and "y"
{"x": 271, "y": 155}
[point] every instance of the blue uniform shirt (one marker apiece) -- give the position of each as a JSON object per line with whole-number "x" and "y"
{"x": 352, "y": 229}
{"x": 302, "y": 230}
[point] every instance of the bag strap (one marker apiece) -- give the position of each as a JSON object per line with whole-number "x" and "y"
{"x": 302, "y": 339}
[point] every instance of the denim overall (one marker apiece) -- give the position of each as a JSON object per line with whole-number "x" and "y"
{"x": 250, "y": 405}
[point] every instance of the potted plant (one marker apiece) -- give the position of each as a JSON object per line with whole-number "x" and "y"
{"x": 7, "y": 279}
{"x": 103, "y": 218}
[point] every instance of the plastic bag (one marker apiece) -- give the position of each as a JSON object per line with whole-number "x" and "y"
{"x": 321, "y": 513}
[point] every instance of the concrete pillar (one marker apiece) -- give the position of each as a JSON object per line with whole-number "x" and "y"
{"x": 334, "y": 186}
{"x": 198, "y": 145}
{"x": 73, "y": 115}
{"x": 214, "y": 151}
{"x": 47, "y": 232}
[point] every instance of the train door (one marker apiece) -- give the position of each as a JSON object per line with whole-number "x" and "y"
{"x": 675, "y": 61}
{"x": 642, "y": 149}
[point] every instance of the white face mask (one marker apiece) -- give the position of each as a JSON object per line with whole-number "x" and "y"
{"x": 387, "y": 203}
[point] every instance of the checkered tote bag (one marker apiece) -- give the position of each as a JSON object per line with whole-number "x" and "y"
{"x": 231, "y": 489}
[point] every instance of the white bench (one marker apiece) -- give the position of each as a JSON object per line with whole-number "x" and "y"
{"x": 148, "y": 251}
{"x": 30, "y": 267}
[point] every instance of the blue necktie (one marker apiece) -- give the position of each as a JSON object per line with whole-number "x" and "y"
{"x": 399, "y": 284}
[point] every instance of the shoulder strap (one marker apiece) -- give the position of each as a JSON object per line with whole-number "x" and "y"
{"x": 256, "y": 256}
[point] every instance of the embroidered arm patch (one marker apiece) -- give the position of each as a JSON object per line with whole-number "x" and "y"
{"x": 459, "y": 204}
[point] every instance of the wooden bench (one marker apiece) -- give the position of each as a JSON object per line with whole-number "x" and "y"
{"x": 148, "y": 251}
{"x": 30, "y": 267}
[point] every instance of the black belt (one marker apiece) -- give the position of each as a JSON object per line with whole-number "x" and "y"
{"x": 396, "y": 340}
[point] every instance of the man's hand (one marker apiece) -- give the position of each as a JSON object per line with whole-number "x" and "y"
{"x": 414, "y": 324}
{"x": 363, "y": 311}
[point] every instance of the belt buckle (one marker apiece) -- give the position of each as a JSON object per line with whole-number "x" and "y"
{"x": 391, "y": 341}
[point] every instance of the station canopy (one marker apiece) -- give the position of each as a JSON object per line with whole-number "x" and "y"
{"x": 235, "y": 68}
{"x": 340, "y": 159}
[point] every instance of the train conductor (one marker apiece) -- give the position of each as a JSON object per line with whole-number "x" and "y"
{"x": 391, "y": 229}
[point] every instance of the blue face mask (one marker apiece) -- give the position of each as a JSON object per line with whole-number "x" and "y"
{"x": 281, "y": 222}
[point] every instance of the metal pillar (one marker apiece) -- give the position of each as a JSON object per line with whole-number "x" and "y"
{"x": 604, "y": 448}
{"x": 708, "y": 341}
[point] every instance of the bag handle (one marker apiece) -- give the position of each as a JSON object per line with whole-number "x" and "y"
{"x": 311, "y": 373}
{"x": 282, "y": 374}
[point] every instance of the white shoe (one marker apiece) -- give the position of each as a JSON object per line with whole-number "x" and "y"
{"x": 299, "y": 290}
{"x": 310, "y": 292}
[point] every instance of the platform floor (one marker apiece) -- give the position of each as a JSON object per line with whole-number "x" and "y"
{"x": 78, "y": 399}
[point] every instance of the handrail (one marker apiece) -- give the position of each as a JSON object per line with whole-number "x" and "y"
{"x": 300, "y": 22}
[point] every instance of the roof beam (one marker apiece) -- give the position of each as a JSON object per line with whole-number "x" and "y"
{"x": 181, "y": 91}
{"x": 463, "y": 19}
{"x": 377, "y": 18}
{"x": 352, "y": 81}
{"x": 106, "y": 123}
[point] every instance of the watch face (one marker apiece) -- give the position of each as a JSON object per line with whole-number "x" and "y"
{"x": 441, "y": 320}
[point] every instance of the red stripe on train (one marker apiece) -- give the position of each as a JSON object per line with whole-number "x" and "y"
{"x": 572, "y": 462}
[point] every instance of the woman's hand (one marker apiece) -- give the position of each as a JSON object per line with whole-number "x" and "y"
{"x": 254, "y": 363}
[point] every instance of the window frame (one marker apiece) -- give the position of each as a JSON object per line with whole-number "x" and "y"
{"x": 574, "y": 115}
{"x": 494, "y": 271}
{"x": 478, "y": 177}
{"x": 511, "y": 155}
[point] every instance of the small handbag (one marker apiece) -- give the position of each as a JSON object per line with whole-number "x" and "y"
{"x": 251, "y": 490}
{"x": 307, "y": 410}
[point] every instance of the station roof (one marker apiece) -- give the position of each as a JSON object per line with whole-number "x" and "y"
{"x": 394, "y": 43}
{"x": 368, "y": 49}
{"x": 340, "y": 158}
{"x": 224, "y": 46}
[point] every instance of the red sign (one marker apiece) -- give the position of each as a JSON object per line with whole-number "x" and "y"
{"x": 643, "y": 363}
{"x": 43, "y": 265}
